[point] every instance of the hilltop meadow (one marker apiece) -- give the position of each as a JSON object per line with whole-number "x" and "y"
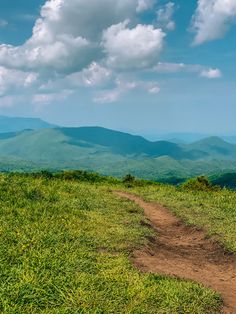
{"x": 66, "y": 243}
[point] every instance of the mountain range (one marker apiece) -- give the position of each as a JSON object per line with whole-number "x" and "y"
{"x": 33, "y": 144}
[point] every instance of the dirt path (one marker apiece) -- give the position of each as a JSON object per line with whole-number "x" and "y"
{"x": 185, "y": 252}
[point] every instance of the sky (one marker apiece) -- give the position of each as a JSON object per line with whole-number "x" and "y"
{"x": 142, "y": 66}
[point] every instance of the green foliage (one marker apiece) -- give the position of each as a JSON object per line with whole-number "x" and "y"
{"x": 84, "y": 176}
{"x": 65, "y": 248}
{"x": 225, "y": 180}
{"x": 171, "y": 180}
{"x": 199, "y": 184}
{"x": 129, "y": 180}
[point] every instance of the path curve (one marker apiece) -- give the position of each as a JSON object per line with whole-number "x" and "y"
{"x": 183, "y": 251}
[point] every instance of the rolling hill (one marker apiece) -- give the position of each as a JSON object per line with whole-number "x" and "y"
{"x": 61, "y": 144}
{"x": 112, "y": 153}
{"x": 214, "y": 147}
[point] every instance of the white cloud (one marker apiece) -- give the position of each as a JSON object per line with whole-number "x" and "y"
{"x": 132, "y": 48}
{"x": 155, "y": 89}
{"x": 201, "y": 70}
{"x": 144, "y": 5}
{"x": 211, "y": 73}
{"x": 79, "y": 43}
{"x": 94, "y": 75}
{"x": 67, "y": 34}
{"x": 124, "y": 86}
{"x": 61, "y": 55}
{"x": 93, "y": 44}
{"x": 108, "y": 96}
{"x": 11, "y": 80}
{"x": 113, "y": 95}
{"x": 165, "y": 16}
{"x": 212, "y": 19}
{"x": 44, "y": 99}
{"x": 169, "y": 67}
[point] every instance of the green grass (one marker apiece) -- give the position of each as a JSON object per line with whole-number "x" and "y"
{"x": 214, "y": 211}
{"x": 65, "y": 248}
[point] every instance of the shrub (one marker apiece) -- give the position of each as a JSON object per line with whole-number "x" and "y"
{"x": 129, "y": 179}
{"x": 201, "y": 183}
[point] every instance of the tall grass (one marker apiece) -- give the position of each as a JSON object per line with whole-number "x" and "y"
{"x": 65, "y": 248}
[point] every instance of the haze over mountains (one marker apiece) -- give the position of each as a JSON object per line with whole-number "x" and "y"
{"x": 15, "y": 124}
{"x": 32, "y": 144}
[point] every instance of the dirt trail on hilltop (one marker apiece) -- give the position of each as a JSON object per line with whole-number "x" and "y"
{"x": 183, "y": 251}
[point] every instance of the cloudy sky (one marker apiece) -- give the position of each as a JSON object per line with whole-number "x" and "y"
{"x": 145, "y": 66}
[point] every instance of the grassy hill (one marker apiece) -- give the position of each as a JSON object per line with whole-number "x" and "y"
{"x": 66, "y": 247}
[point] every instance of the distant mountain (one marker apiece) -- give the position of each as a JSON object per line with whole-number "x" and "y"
{"x": 215, "y": 148}
{"x": 183, "y": 138}
{"x": 189, "y": 138}
{"x": 113, "y": 153}
{"x": 71, "y": 143}
{"x": 124, "y": 143}
{"x": 12, "y": 124}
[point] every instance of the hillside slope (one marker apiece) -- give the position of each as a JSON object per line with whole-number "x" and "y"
{"x": 60, "y": 142}
{"x": 66, "y": 248}
{"x": 214, "y": 147}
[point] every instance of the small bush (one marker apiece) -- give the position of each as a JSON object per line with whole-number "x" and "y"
{"x": 129, "y": 179}
{"x": 199, "y": 184}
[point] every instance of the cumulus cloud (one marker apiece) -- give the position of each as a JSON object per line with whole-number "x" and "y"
{"x": 132, "y": 48}
{"x": 79, "y": 44}
{"x": 67, "y": 34}
{"x": 212, "y": 19}
{"x": 165, "y": 16}
{"x": 11, "y": 80}
{"x": 144, "y": 5}
{"x": 211, "y": 73}
{"x": 122, "y": 87}
{"x": 94, "y": 75}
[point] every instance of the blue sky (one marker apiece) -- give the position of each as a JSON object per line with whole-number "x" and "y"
{"x": 143, "y": 66}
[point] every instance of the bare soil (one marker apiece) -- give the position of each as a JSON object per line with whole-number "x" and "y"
{"x": 185, "y": 252}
